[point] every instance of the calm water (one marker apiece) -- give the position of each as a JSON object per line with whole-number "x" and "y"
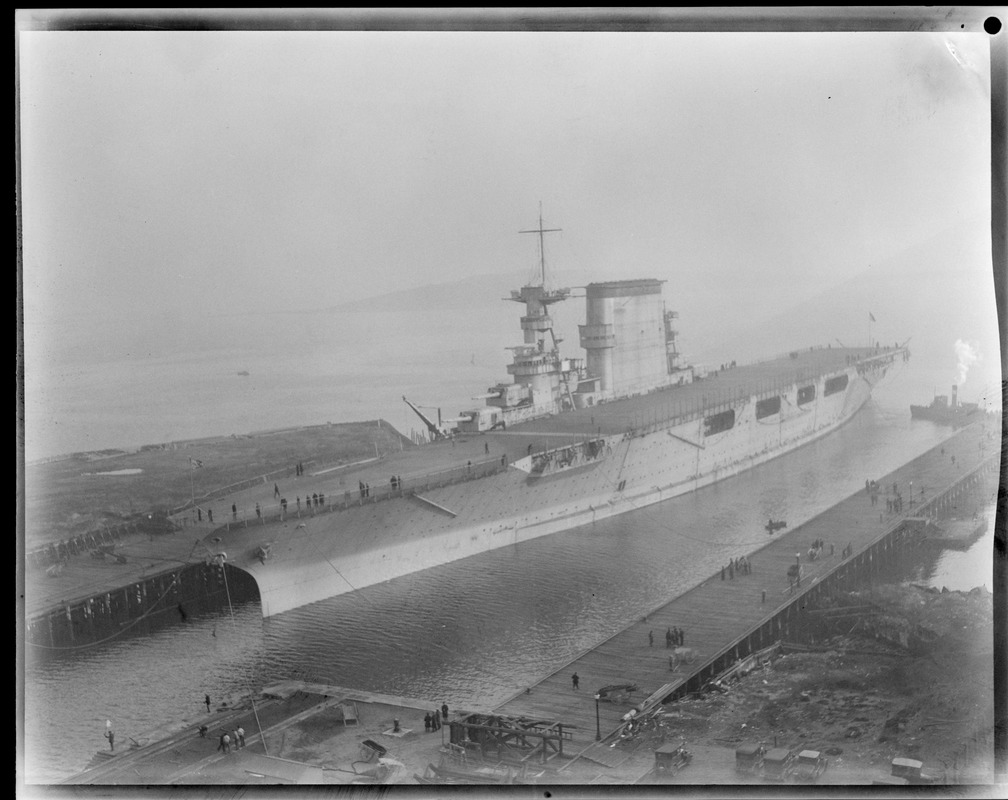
{"x": 475, "y": 631}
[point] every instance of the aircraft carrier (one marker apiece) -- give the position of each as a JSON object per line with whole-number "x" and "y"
{"x": 568, "y": 442}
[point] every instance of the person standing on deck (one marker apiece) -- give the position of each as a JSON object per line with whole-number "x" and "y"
{"x": 276, "y": 491}
{"x": 574, "y": 680}
{"x": 206, "y": 699}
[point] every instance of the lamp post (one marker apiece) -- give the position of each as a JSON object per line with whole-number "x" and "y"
{"x": 598, "y": 726}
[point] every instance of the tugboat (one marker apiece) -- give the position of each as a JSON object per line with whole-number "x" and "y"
{"x": 941, "y": 411}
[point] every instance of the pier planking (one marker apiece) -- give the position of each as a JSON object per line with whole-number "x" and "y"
{"x": 716, "y": 614}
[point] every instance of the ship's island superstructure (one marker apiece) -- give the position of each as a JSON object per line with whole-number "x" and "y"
{"x": 567, "y": 443}
{"x": 629, "y": 339}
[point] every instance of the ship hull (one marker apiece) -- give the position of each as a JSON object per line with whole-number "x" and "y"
{"x": 370, "y": 543}
{"x": 956, "y": 419}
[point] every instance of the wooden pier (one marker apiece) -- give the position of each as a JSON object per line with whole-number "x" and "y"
{"x": 728, "y": 618}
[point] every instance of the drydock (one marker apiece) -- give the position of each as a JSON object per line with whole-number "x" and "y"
{"x": 724, "y": 620}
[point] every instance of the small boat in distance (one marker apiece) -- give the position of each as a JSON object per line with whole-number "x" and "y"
{"x": 244, "y": 373}
{"x": 944, "y": 413}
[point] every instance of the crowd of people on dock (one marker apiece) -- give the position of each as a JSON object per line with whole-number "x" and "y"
{"x": 228, "y": 739}
{"x": 740, "y": 566}
{"x": 674, "y": 637}
{"x": 894, "y": 503}
{"x": 434, "y": 719}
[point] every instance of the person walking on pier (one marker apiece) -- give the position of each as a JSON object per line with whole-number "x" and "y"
{"x": 234, "y": 738}
{"x": 224, "y": 744}
{"x": 668, "y": 638}
{"x": 206, "y": 699}
{"x": 258, "y": 511}
{"x": 241, "y": 736}
{"x": 427, "y": 722}
{"x": 276, "y": 491}
{"x": 574, "y": 680}
{"x": 444, "y": 711}
{"x": 234, "y": 511}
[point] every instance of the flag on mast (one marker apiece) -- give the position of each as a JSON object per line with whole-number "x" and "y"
{"x": 871, "y": 317}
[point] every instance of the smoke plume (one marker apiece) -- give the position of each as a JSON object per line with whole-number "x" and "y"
{"x": 967, "y": 355}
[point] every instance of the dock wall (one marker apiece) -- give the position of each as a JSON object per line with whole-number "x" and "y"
{"x": 138, "y": 608}
{"x": 871, "y": 562}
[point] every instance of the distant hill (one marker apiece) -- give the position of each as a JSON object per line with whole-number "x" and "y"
{"x": 453, "y": 295}
{"x": 932, "y": 293}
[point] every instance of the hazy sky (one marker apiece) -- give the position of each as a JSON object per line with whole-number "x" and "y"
{"x": 199, "y": 172}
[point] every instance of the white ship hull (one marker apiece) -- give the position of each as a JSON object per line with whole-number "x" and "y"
{"x": 359, "y": 546}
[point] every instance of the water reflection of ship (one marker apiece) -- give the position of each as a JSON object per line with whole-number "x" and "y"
{"x": 945, "y": 413}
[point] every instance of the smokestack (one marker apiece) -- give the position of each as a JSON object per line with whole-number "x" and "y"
{"x": 954, "y": 390}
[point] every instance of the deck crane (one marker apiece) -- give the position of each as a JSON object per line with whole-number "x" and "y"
{"x": 442, "y": 429}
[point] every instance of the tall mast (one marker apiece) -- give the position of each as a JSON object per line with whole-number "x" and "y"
{"x": 542, "y": 250}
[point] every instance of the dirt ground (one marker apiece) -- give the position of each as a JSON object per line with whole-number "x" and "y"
{"x": 82, "y": 492}
{"x": 930, "y": 699}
